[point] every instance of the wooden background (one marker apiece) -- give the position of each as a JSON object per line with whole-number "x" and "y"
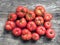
{"x": 8, "y": 6}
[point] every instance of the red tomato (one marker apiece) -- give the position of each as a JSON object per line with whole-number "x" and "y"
{"x": 9, "y": 25}
{"x": 21, "y": 23}
{"x": 16, "y": 31}
{"x": 30, "y": 15}
{"x": 50, "y": 33}
{"x": 21, "y": 11}
{"x": 47, "y": 24}
{"x": 41, "y": 30}
{"x": 12, "y": 17}
{"x": 35, "y": 36}
{"x": 39, "y": 10}
{"x": 31, "y": 26}
{"x": 39, "y": 20}
{"x": 47, "y": 17}
{"x": 26, "y": 34}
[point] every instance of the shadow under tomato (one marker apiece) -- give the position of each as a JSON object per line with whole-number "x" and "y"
{"x": 15, "y": 37}
{"x": 46, "y": 40}
{"x": 24, "y": 41}
{"x": 33, "y": 41}
{"x": 6, "y": 32}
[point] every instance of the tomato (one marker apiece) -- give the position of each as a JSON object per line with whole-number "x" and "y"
{"x": 47, "y": 24}
{"x": 35, "y": 36}
{"x": 41, "y": 30}
{"x": 12, "y": 17}
{"x": 47, "y": 17}
{"x": 16, "y": 31}
{"x": 31, "y": 26}
{"x": 9, "y": 25}
{"x": 30, "y": 15}
{"x": 50, "y": 33}
{"x": 39, "y": 10}
{"x": 21, "y": 23}
{"x": 39, "y": 20}
{"x": 21, "y": 11}
{"x": 26, "y": 34}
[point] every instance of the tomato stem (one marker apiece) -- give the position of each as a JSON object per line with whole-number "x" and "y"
{"x": 10, "y": 16}
{"x": 30, "y": 15}
{"x": 22, "y": 10}
{"x": 20, "y": 21}
{"x": 50, "y": 32}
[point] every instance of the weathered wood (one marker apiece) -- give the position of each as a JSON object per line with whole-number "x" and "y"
{"x": 8, "y": 6}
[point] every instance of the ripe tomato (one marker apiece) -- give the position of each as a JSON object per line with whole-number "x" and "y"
{"x": 9, "y": 25}
{"x": 50, "y": 33}
{"x": 21, "y": 11}
{"x": 47, "y": 17}
{"x": 21, "y": 23}
{"x": 35, "y": 36}
{"x": 39, "y": 20}
{"x": 39, "y": 10}
{"x": 30, "y": 15}
{"x": 47, "y": 24}
{"x": 16, "y": 31}
{"x": 26, "y": 34}
{"x": 41, "y": 30}
{"x": 31, "y": 26}
{"x": 12, "y": 17}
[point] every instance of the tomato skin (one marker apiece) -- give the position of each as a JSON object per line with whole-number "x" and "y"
{"x": 50, "y": 33}
{"x": 26, "y": 34}
{"x": 47, "y": 25}
{"x": 21, "y": 11}
{"x": 39, "y": 10}
{"x": 9, "y": 25}
{"x": 39, "y": 20}
{"x": 30, "y": 15}
{"x": 12, "y": 17}
{"x": 31, "y": 26}
{"x": 47, "y": 16}
{"x": 21, "y": 23}
{"x": 41, "y": 30}
{"x": 35, "y": 36}
{"x": 16, "y": 31}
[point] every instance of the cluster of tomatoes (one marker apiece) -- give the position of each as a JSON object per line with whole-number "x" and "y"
{"x": 30, "y": 24}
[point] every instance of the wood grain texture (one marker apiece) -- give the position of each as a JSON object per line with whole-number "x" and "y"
{"x": 8, "y": 6}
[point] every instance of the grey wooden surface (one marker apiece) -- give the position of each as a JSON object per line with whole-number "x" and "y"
{"x": 8, "y": 6}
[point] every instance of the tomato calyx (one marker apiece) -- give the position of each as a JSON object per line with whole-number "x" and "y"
{"x": 39, "y": 10}
{"x": 41, "y": 29}
{"x": 35, "y": 36}
{"x": 29, "y": 15}
{"x": 17, "y": 31}
{"x": 39, "y": 20}
{"x": 30, "y": 25}
{"x": 26, "y": 34}
{"x": 22, "y": 11}
{"x": 51, "y": 33}
{"x": 10, "y": 17}
{"x": 48, "y": 23}
{"x": 20, "y": 21}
